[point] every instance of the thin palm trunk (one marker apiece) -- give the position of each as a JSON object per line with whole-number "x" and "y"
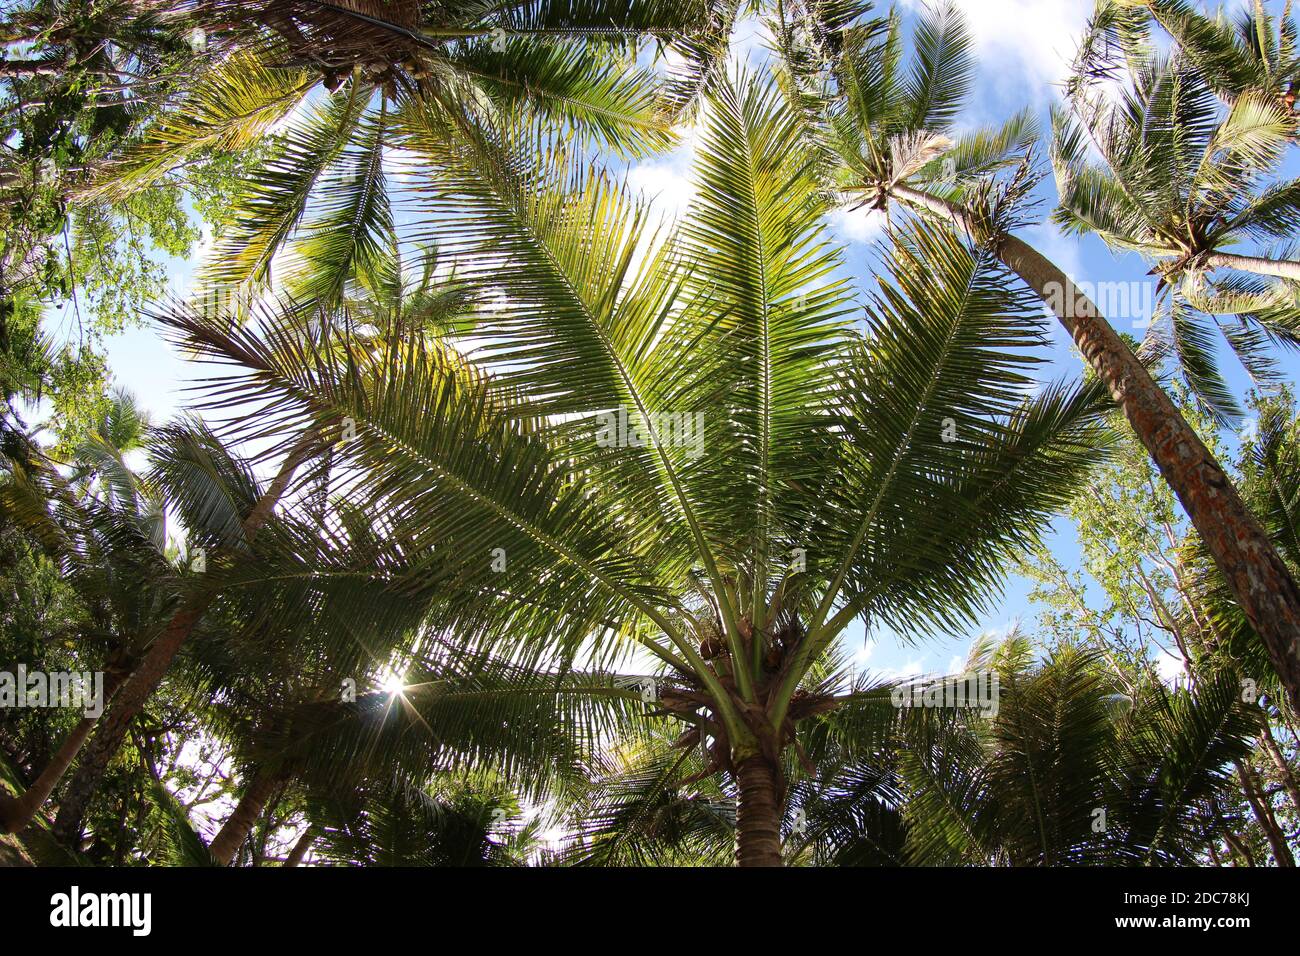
{"x": 140, "y": 686}
{"x": 1264, "y": 815}
{"x": 299, "y": 851}
{"x": 1282, "y": 268}
{"x": 758, "y": 813}
{"x": 17, "y": 812}
{"x": 246, "y": 814}
{"x": 1260, "y": 580}
{"x": 1279, "y": 761}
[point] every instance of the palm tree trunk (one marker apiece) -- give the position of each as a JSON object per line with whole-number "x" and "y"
{"x": 1260, "y": 580}
{"x": 240, "y": 823}
{"x": 17, "y": 812}
{"x": 1264, "y": 815}
{"x": 110, "y": 730}
{"x": 299, "y": 851}
{"x": 1279, "y": 761}
{"x": 758, "y": 813}
{"x": 140, "y": 686}
{"x": 26, "y": 69}
{"x": 1282, "y": 268}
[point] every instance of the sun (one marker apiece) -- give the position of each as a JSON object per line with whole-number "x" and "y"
{"x": 392, "y": 683}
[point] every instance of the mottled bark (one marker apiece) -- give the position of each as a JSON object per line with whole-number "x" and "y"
{"x": 1284, "y": 770}
{"x": 17, "y": 812}
{"x": 26, "y": 69}
{"x": 1264, "y": 815}
{"x": 1258, "y": 577}
{"x": 1282, "y": 268}
{"x": 758, "y": 813}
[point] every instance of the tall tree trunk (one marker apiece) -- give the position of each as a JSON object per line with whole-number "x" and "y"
{"x": 1279, "y": 761}
{"x": 758, "y": 813}
{"x": 249, "y": 810}
{"x": 138, "y": 688}
{"x": 17, "y": 812}
{"x": 299, "y": 851}
{"x": 26, "y": 69}
{"x": 1282, "y": 268}
{"x": 1264, "y": 815}
{"x": 1260, "y": 580}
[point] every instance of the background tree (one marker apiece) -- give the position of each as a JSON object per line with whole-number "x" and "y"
{"x": 1148, "y": 600}
{"x": 886, "y": 136}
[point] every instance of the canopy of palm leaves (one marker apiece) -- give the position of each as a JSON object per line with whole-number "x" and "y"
{"x": 1180, "y": 180}
{"x": 349, "y": 88}
{"x": 1249, "y": 50}
{"x": 884, "y": 118}
{"x": 835, "y": 474}
{"x": 1069, "y": 771}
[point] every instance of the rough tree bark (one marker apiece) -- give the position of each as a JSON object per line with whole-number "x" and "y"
{"x": 1260, "y": 580}
{"x": 1264, "y": 815}
{"x": 1282, "y": 268}
{"x": 17, "y": 812}
{"x": 299, "y": 851}
{"x": 758, "y": 813}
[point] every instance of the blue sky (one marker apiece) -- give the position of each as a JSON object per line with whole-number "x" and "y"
{"x": 1025, "y": 47}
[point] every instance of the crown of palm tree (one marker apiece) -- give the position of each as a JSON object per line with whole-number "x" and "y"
{"x": 1179, "y": 182}
{"x": 349, "y": 85}
{"x": 1068, "y": 771}
{"x": 820, "y": 486}
{"x": 1248, "y": 51}
{"x": 884, "y": 118}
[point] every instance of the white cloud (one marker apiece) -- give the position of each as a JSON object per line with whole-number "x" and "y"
{"x": 403, "y": 166}
{"x": 864, "y": 653}
{"x": 912, "y": 668}
{"x": 751, "y": 42}
{"x": 1019, "y": 40}
{"x": 666, "y": 184}
{"x": 857, "y": 225}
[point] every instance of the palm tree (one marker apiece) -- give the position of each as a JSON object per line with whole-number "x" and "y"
{"x": 452, "y": 77}
{"x": 400, "y": 825}
{"x": 351, "y": 78}
{"x": 457, "y": 721}
{"x": 275, "y": 692}
{"x": 1251, "y": 53}
{"x": 385, "y": 290}
{"x": 1069, "y": 771}
{"x": 1178, "y": 185}
{"x": 105, "y": 528}
{"x": 236, "y": 534}
{"x": 885, "y": 126}
{"x": 684, "y": 446}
